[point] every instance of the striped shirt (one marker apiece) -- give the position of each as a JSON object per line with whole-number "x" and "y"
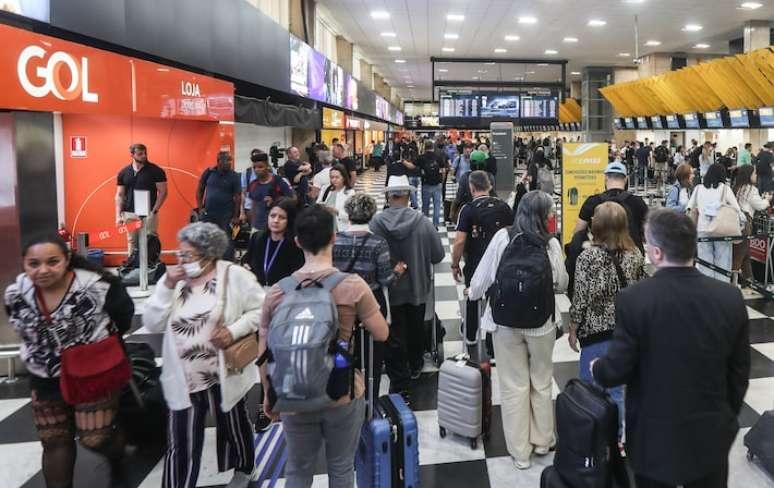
{"x": 373, "y": 260}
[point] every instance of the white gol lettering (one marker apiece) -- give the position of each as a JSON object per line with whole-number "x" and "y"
{"x": 50, "y": 74}
{"x": 189, "y": 89}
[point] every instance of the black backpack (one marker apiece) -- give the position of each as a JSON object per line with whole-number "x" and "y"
{"x": 693, "y": 158}
{"x": 489, "y": 216}
{"x": 522, "y": 295}
{"x": 431, "y": 169}
{"x": 661, "y": 154}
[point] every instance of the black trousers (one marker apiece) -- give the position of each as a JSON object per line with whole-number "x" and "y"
{"x": 718, "y": 479}
{"x": 224, "y": 222}
{"x": 405, "y": 346}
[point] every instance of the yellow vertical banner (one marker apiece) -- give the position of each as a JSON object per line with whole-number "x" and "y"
{"x": 583, "y": 167}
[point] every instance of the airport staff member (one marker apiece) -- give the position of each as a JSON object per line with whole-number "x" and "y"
{"x": 140, "y": 174}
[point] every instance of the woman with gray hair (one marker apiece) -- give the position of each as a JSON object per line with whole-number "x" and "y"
{"x": 203, "y": 305}
{"x": 524, "y": 364}
{"x": 359, "y": 251}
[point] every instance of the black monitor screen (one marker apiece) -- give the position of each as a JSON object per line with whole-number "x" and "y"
{"x": 656, "y": 121}
{"x": 629, "y": 123}
{"x": 672, "y": 122}
{"x": 767, "y": 116}
{"x": 459, "y": 105}
{"x": 642, "y": 123}
{"x": 739, "y": 118}
{"x": 691, "y": 121}
{"x": 499, "y": 105}
{"x": 713, "y": 120}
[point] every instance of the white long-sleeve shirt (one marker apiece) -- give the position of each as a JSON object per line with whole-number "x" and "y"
{"x": 486, "y": 272}
{"x": 751, "y": 201}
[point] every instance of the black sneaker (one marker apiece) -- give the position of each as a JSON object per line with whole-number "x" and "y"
{"x": 262, "y": 422}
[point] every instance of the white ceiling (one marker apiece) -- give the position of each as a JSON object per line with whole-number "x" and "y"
{"x": 420, "y": 26}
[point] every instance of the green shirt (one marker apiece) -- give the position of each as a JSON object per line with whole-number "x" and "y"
{"x": 744, "y": 158}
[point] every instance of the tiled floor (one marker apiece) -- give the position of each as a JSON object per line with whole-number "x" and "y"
{"x": 448, "y": 463}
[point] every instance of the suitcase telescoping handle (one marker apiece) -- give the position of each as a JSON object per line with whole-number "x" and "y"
{"x": 479, "y": 340}
{"x": 371, "y": 393}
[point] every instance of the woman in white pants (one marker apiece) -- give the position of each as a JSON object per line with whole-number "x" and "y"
{"x": 707, "y": 198}
{"x": 524, "y": 356}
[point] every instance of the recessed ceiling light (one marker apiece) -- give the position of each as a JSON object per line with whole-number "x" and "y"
{"x": 389, "y": 34}
{"x": 542, "y": 64}
{"x": 482, "y": 71}
{"x": 394, "y": 48}
{"x": 634, "y": 1}
{"x": 527, "y": 20}
{"x": 575, "y": 73}
{"x": 451, "y": 36}
{"x": 571, "y": 39}
{"x": 701, "y": 45}
{"x": 380, "y": 15}
{"x": 490, "y": 63}
{"x": 552, "y": 51}
{"x": 653, "y": 43}
{"x": 500, "y": 50}
{"x": 409, "y": 86}
{"x": 597, "y": 23}
{"x": 447, "y": 49}
{"x": 443, "y": 70}
{"x": 400, "y": 61}
{"x": 692, "y": 28}
{"x": 512, "y": 38}
{"x": 624, "y": 55}
{"x": 475, "y": 77}
{"x": 530, "y": 72}
{"x": 455, "y": 17}
{"x": 751, "y": 5}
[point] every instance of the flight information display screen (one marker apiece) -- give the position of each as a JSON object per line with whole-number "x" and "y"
{"x": 459, "y": 105}
{"x": 495, "y": 105}
{"x": 767, "y": 116}
{"x": 739, "y": 118}
{"x": 538, "y": 106}
{"x": 691, "y": 121}
{"x": 713, "y": 120}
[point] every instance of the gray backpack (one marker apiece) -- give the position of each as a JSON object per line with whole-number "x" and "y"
{"x": 302, "y": 330}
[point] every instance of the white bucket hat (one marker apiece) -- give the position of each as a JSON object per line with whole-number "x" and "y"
{"x": 398, "y": 183}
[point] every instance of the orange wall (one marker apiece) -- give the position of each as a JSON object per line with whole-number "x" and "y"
{"x": 183, "y": 148}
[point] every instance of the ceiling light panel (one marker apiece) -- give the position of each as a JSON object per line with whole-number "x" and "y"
{"x": 551, "y": 51}
{"x": 512, "y": 38}
{"x": 447, "y": 49}
{"x": 380, "y": 15}
{"x": 692, "y": 28}
{"x": 455, "y": 17}
{"x": 571, "y": 40}
{"x": 528, "y": 19}
{"x": 394, "y": 48}
{"x": 653, "y": 43}
{"x": 597, "y": 23}
{"x": 451, "y": 36}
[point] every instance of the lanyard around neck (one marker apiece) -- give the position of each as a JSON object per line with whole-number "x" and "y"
{"x": 268, "y": 263}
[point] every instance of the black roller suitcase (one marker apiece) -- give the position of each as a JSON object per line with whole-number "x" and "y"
{"x": 759, "y": 441}
{"x": 550, "y": 478}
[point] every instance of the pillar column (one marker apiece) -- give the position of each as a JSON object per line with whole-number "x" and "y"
{"x": 654, "y": 64}
{"x": 367, "y": 74}
{"x": 344, "y": 53}
{"x": 757, "y": 34}
{"x": 597, "y": 112}
{"x": 298, "y": 11}
{"x": 575, "y": 89}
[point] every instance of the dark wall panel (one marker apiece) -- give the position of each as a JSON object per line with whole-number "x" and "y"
{"x": 226, "y": 37}
{"x": 36, "y": 173}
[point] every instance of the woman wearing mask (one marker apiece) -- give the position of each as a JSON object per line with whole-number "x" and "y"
{"x": 612, "y": 263}
{"x": 59, "y": 303}
{"x": 336, "y": 194}
{"x": 524, "y": 365}
{"x": 203, "y": 305}
{"x": 680, "y": 191}
{"x": 273, "y": 254}
{"x": 359, "y": 251}
{"x": 750, "y": 201}
{"x": 705, "y": 201}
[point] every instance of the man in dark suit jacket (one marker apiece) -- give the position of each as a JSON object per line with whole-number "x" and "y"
{"x": 681, "y": 347}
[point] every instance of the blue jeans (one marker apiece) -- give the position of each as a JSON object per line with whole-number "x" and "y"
{"x": 618, "y": 393}
{"x": 414, "y": 181}
{"x": 432, "y": 192}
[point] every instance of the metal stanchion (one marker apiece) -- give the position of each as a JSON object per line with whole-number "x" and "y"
{"x": 144, "y": 255}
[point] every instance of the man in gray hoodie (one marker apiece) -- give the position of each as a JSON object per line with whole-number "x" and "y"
{"x": 414, "y": 241}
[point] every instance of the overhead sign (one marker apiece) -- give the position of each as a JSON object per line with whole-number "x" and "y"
{"x": 44, "y": 73}
{"x": 583, "y": 167}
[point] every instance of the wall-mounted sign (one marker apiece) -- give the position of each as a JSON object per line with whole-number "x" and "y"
{"x": 333, "y": 119}
{"x": 78, "y": 147}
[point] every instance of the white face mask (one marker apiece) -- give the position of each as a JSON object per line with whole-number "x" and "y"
{"x": 193, "y": 270}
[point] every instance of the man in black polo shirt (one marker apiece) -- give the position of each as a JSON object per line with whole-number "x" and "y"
{"x": 219, "y": 196}
{"x": 141, "y": 174}
{"x": 636, "y": 209}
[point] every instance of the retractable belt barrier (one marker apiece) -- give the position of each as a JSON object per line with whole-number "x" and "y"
{"x": 733, "y": 238}
{"x": 743, "y": 281}
{"x": 120, "y": 230}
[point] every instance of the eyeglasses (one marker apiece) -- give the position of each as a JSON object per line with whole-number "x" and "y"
{"x": 187, "y": 256}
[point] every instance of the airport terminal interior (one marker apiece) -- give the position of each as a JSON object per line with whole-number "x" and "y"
{"x": 137, "y": 137}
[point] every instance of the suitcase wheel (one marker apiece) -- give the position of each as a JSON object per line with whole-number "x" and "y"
{"x": 442, "y": 432}
{"x": 473, "y": 443}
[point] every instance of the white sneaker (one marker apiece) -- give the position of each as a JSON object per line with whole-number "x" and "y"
{"x": 542, "y": 451}
{"x": 521, "y": 464}
{"x": 240, "y": 480}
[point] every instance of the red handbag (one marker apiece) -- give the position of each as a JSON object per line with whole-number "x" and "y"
{"x": 90, "y": 372}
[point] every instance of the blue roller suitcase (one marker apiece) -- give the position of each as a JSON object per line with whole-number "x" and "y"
{"x": 388, "y": 452}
